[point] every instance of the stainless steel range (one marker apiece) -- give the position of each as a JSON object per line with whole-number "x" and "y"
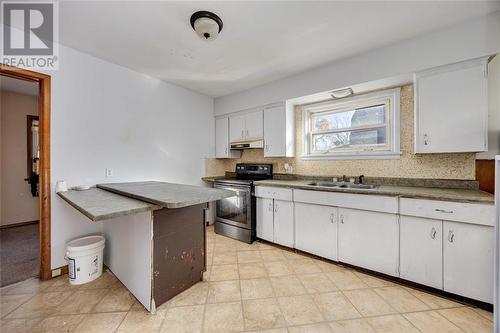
{"x": 235, "y": 216}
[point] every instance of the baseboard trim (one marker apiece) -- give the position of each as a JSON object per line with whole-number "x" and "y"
{"x": 59, "y": 271}
{"x": 20, "y": 224}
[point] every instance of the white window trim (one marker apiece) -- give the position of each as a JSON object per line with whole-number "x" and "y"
{"x": 393, "y": 153}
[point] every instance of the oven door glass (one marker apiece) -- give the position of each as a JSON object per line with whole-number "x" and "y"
{"x": 235, "y": 210}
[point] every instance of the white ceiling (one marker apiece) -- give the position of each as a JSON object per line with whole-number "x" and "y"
{"x": 18, "y": 86}
{"x": 261, "y": 41}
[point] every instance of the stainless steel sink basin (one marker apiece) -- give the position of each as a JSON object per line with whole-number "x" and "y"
{"x": 360, "y": 186}
{"x": 324, "y": 184}
{"x": 343, "y": 185}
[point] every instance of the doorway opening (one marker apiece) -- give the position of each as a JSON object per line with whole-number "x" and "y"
{"x": 25, "y": 175}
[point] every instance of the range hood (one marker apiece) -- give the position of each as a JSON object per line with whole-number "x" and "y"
{"x": 248, "y": 145}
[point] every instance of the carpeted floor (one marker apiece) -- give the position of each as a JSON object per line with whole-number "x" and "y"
{"x": 19, "y": 253}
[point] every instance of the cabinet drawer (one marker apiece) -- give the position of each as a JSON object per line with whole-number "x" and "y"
{"x": 452, "y": 211}
{"x": 273, "y": 193}
{"x": 377, "y": 203}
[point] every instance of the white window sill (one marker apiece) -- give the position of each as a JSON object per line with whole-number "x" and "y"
{"x": 354, "y": 156}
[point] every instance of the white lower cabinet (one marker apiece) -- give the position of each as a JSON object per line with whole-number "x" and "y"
{"x": 455, "y": 254}
{"x": 316, "y": 229}
{"x": 369, "y": 240}
{"x": 468, "y": 252}
{"x": 275, "y": 221}
{"x": 283, "y": 223}
{"x": 421, "y": 250}
{"x": 265, "y": 219}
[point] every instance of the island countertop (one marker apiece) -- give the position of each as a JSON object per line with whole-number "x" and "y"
{"x": 100, "y": 205}
{"x": 167, "y": 195}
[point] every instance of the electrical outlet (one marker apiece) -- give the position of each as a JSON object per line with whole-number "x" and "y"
{"x": 288, "y": 168}
{"x": 109, "y": 172}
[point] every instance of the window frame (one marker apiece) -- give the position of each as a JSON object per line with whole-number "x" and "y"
{"x": 390, "y": 151}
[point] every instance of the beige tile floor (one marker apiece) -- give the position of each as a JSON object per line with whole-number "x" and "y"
{"x": 251, "y": 288}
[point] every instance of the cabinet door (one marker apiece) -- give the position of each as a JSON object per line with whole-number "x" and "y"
{"x": 237, "y": 128}
{"x": 452, "y": 108}
{"x": 275, "y": 131}
{"x": 316, "y": 229}
{"x": 222, "y": 138}
{"x": 468, "y": 260}
{"x": 265, "y": 223}
{"x": 254, "y": 126}
{"x": 369, "y": 239}
{"x": 421, "y": 251}
{"x": 283, "y": 223}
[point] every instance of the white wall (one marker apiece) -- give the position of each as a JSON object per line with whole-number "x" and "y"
{"x": 17, "y": 203}
{"x": 107, "y": 116}
{"x": 464, "y": 41}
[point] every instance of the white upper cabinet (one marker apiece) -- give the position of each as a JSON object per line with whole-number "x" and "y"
{"x": 254, "y": 126}
{"x": 222, "y": 140}
{"x": 237, "y": 128}
{"x": 246, "y": 127}
{"x": 279, "y": 138}
{"x": 451, "y": 108}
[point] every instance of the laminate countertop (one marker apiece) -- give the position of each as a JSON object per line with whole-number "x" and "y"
{"x": 444, "y": 194}
{"x": 100, "y": 205}
{"x": 167, "y": 195}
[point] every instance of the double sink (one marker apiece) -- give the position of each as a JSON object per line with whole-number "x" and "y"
{"x": 343, "y": 185}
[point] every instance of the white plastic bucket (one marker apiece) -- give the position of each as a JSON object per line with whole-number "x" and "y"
{"x": 85, "y": 257}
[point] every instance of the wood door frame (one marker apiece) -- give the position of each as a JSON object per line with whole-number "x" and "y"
{"x": 29, "y": 131}
{"x": 44, "y": 86}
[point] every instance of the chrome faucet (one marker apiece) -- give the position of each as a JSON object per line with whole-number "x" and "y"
{"x": 361, "y": 179}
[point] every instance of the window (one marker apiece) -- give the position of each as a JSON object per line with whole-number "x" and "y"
{"x": 364, "y": 126}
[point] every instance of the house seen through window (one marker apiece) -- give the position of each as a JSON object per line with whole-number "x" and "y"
{"x": 360, "y": 125}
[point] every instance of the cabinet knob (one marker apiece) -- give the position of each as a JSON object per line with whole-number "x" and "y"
{"x": 242, "y": 133}
{"x": 433, "y": 233}
{"x": 451, "y": 236}
{"x": 226, "y": 150}
{"x": 270, "y": 206}
{"x": 426, "y": 140}
{"x": 247, "y": 132}
{"x": 342, "y": 219}
{"x": 275, "y": 207}
{"x": 267, "y": 148}
{"x": 444, "y": 211}
{"x": 332, "y": 218}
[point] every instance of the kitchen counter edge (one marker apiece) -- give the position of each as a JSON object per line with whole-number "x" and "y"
{"x": 441, "y": 194}
{"x": 88, "y": 201}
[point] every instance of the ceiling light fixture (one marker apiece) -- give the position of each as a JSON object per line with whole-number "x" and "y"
{"x": 206, "y": 24}
{"x": 341, "y": 93}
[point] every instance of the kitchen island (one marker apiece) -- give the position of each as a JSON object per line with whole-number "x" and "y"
{"x": 155, "y": 234}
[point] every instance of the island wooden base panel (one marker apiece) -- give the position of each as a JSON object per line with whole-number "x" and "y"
{"x": 178, "y": 250}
